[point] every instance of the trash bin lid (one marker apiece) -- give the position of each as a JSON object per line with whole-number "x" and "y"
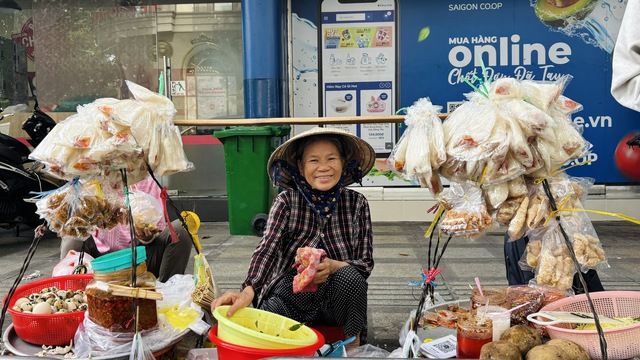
{"x": 270, "y": 130}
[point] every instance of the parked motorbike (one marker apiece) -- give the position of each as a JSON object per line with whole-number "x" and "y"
{"x": 21, "y": 176}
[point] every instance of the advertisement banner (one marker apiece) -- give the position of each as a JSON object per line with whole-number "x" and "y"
{"x": 442, "y": 43}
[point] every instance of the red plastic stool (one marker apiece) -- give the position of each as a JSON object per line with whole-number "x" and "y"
{"x": 331, "y": 333}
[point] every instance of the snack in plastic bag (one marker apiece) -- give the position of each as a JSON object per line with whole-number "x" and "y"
{"x": 584, "y": 240}
{"x": 538, "y": 210}
{"x": 75, "y": 210}
{"x": 82, "y": 132}
{"x": 460, "y": 170}
{"x": 532, "y": 253}
{"x": 307, "y": 259}
{"x": 517, "y": 227}
{"x": 532, "y": 121}
{"x": 110, "y": 135}
{"x": 563, "y": 106}
{"x": 420, "y": 151}
{"x": 517, "y": 187}
{"x": 496, "y": 194}
{"x": 531, "y": 256}
{"x": 507, "y": 210}
{"x": 146, "y": 212}
{"x": 170, "y": 156}
{"x": 502, "y": 168}
{"x": 519, "y": 145}
{"x": 523, "y": 294}
{"x": 588, "y": 250}
{"x": 541, "y": 94}
{"x": 468, "y": 215}
{"x": 555, "y": 267}
{"x": 469, "y": 131}
{"x": 505, "y": 88}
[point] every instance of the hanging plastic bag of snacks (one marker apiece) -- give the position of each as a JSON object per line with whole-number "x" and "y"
{"x": 75, "y": 210}
{"x": 467, "y": 213}
{"x": 146, "y": 212}
{"x": 555, "y": 265}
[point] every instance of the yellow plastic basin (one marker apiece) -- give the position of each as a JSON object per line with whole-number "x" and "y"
{"x": 262, "y": 329}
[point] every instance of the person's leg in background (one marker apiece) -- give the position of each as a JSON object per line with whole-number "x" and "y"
{"x": 513, "y": 251}
{"x": 592, "y": 280}
{"x": 165, "y": 259}
{"x": 68, "y": 244}
{"x": 88, "y": 246}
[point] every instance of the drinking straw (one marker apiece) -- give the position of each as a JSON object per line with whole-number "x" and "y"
{"x": 479, "y": 286}
{"x": 514, "y": 308}
{"x": 486, "y": 309}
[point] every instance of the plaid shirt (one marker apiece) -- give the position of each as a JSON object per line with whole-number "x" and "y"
{"x": 292, "y": 224}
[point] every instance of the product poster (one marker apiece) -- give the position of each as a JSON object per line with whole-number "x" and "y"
{"x": 357, "y": 68}
{"x": 442, "y": 43}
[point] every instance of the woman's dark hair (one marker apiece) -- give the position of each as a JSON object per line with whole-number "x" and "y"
{"x": 335, "y": 140}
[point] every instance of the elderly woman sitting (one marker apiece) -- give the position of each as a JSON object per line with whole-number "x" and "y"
{"x": 314, "y": 211}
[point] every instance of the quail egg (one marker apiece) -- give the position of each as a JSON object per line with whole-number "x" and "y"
{"x": 42, "y": 308}
{"x": 21, "y": 301}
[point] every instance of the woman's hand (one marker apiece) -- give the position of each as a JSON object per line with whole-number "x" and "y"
{"x": 237, "y": 300}
{"x": 326, "y": 268}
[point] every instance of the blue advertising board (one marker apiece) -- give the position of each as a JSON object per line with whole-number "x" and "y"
{"x": 441, "y": 43}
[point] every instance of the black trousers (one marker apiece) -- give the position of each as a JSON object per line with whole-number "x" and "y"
{"x": 340, "y": 301}
{"x": 513, "y": 251}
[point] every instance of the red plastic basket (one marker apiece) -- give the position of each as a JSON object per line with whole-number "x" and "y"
{"x": 54, "y": 329}
{"x": 622, "y": 342}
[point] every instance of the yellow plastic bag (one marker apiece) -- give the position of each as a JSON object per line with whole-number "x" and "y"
{"x": 179, "y": 318}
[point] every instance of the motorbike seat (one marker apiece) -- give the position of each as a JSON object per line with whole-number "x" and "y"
{"x": 13, "y": 151}
{"x": 8, "y": 156}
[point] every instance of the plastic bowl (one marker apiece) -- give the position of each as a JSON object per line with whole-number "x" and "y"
{"x": 622, "y": 342}
{"x": 262, "y": 329}
{"x": 228, "y": 351}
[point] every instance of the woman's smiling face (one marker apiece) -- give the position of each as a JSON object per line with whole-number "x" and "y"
{"x": 321, "y": 165}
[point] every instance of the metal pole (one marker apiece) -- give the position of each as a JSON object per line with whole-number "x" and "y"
{"x": 262, "y": 38}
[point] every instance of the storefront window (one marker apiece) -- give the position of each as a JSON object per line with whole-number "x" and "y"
{"x": 87, "y": 48}
{"x": 80, "y": 50}
{"x": 14, "y": 87}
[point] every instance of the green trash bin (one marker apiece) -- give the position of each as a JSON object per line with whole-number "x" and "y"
{"x": 249, "y": 190}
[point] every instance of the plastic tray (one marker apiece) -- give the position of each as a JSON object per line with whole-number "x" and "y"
{"x": 438, "y": 331}
{"x": 19, "y": 347}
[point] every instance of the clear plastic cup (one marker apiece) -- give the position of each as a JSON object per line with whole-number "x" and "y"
{"x": 493, "y": 296}
{"x": 473, "y": 331}
{"x": 500, "y": 318}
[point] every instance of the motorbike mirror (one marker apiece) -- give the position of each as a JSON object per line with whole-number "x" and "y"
{"x": 37, "y": 126}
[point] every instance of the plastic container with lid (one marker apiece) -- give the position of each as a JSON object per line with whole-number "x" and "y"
{"x": 115, "y": 312}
